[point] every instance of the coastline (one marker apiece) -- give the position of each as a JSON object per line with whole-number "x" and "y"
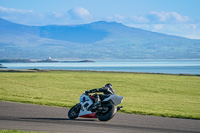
{"x": 40, "y": 61}
{"x": 39, "y": 70}
{"x": 1, "y": 66}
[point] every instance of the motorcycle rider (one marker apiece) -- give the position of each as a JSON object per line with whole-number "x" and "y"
{"x": 107, "y": 91}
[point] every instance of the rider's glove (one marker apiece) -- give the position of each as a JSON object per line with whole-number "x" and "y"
{"x": 86, "y": 92}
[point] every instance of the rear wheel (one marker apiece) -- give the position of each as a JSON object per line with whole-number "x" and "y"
{"x": 108, "y": 112}
{"x": 74, "y": 111}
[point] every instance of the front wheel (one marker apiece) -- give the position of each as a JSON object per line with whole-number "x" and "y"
{"x": 108, "y": 112}
{"x": 74, "y": 111}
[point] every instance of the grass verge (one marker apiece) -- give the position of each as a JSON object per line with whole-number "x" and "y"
{"x": 147, "y": 94}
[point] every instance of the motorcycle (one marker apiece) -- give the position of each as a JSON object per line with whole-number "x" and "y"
{"x": 88, "y": 108}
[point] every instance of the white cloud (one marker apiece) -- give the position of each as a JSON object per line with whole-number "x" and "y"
{"x": 180, "y": 18}
{"x": 171, "y": 23}
{"x": 29, "y": 17}
{"x": 184, "y": 30}
{"x": 115, "y": 18}
{"x": 119, "y": 17}
{"x": 159, "y": 16}
{"x": 152, "y": 18}
{"x": 18, "y": 15}
{"x": 139, "y": 19}
{"x": 158, "y": 27}
{"x": 79, "y": 13}
{"x": 167, "y": 17}
{"x": 12, "y": 10}
{"x": 58, "y": 14}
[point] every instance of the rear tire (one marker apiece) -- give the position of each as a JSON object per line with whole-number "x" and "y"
{"x": 74, "y": 112}
{"x": 108, "y": 114}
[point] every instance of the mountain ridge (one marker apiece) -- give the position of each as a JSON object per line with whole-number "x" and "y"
{"x": 97, "y": 40}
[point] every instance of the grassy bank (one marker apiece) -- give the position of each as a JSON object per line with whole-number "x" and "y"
{"x": 148, "y": 94}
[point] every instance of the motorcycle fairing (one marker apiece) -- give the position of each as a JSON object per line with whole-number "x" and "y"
{"x": 115, "y": 98}
{"x": 85, "y": 102}
{"x": 92, "y": 115}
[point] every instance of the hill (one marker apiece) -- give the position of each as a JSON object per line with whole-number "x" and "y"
{"x": 98, "y": 40}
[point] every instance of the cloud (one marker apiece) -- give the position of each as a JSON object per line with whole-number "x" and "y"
{"x": 167, "y": 17}
{"x": 29, "y": 17}
{"x": 158, "y": 27}
{"x": 152, "y": 18}
{"x": 139, "y": 19}
{"x": 58, "y": 14}
{"x": 79, "y": 13}
{"x": 183, "y": 29}
{"x": 115, "y": 18}
{"x": 12, "y": 10}
{"x": 171, "y": 23}
{"x": 18, "y": 15}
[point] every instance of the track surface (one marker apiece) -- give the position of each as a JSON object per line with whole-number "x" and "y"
{"x": 54, "y": 119}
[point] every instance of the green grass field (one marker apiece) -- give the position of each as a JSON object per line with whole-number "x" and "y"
{"x": 147, "y": 94}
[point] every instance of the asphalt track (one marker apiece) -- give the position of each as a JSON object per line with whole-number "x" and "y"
{"x": 30, "y": 117}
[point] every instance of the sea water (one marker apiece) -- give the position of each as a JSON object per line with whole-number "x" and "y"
{"x": 149, "y": 66}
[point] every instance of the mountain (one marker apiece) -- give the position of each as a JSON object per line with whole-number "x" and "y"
{"x": 98, "y": 40}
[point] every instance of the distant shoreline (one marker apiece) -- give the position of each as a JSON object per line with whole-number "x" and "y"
{"x": 40, "y": 61}
{"x": 1, "y": 66}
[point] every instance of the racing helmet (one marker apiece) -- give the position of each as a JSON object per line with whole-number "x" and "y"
{"x": 108, "y": 85}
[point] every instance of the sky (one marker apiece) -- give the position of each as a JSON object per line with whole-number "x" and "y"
{"x": 173, "y": 17}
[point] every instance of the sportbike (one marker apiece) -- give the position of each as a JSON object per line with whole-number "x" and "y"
{"x": 88, "y": 109}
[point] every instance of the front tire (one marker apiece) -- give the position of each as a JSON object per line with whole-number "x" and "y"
{"x": 109, "y": 114}
{"x": 74, "y": 111}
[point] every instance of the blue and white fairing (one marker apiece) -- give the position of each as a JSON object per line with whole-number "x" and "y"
{"x": 85, "y": 102}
